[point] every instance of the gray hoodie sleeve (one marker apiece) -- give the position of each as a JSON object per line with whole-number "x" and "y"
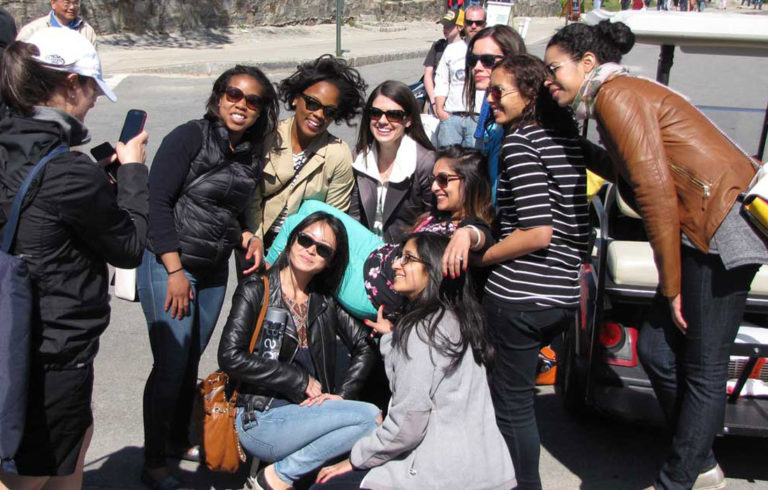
{"x": 416, "y": 378}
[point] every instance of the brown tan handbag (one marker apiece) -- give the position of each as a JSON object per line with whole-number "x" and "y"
{"x": 221, "y": 446}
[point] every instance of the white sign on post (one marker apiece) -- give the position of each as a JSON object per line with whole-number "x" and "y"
{"x": 498, "y": 13}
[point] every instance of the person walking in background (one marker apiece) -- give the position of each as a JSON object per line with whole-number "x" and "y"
{"x": 75, "y": 223}
{"x": 202, "y": 176}
{"x": 393, "y": 164}
{"x": 532, "y": 291}
{"x": 687, "y": 192}
{"x": 64, "y": 13}
{"x": 457, "y": 121}
{"x": 309, "y": 162}
{"x": 453, "y": 23}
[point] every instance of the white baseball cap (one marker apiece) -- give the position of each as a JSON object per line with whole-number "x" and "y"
{"x": 63, "y": 49}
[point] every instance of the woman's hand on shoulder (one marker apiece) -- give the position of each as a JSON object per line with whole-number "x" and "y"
{"x": 381, "y": 325}
{"x": 329, "y": 472}
{"x": 135, "y": 151}
{"x": 456, "y": 255}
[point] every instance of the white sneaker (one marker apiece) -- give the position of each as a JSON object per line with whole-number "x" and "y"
{"x": 713, "y": 479}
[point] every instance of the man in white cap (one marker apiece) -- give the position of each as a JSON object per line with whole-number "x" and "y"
{"x": 64, "y": 13}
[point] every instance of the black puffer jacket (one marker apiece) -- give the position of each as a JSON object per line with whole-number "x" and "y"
{"x": 261, "y": 379}
{"x": 71, "y": 226}
{"x": 219, "y": 183}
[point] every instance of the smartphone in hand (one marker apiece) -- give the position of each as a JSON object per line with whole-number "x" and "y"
{"x": 102, "y": 153}
{"x": 133, "y": 125}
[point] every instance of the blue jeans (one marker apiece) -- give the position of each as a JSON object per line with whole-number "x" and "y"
{"x": 457, "y": 130}
{"x": 176, "y": 349}
{"x": 689, "y": 372}
{"x": 300, "y": 439}
{"x": 517, "y": 336}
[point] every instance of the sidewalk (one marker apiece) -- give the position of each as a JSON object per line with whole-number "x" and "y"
{"x": 277, "y": 48}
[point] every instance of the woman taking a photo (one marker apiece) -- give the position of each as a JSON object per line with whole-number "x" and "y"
{"x": 290, "y": 411}
{"x": 440, "y": 430}
{"x": 532, "y": 291}
{"x": 309, "y": 162}
{"x": 393, "y": 164}
{"x": 684, "y": 177}
{"x": 73, "y": 223}
{"x": 202, "y": 176}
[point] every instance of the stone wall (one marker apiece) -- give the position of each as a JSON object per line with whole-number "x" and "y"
{"x": 111, "y": 16}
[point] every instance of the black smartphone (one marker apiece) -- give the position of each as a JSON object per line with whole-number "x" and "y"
{"x": 102, "y": 151}
{"x": 133, "y": 125}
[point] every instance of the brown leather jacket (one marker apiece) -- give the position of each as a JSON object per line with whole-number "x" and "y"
{"x": 683, "y": 173}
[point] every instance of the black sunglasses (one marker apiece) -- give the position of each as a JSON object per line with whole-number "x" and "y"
{"x": 468, "y": 22}
{"x": 393, "y": 115}
{"x": 406, "y": 258}
{"x": 444, "y": 179}
{"x": 487, "y": 60}
{"x": 307, "y": 242}
{"x": 497, "y": 92}
{"x": 234, "y": 95}
{"x": 312, "y": 105}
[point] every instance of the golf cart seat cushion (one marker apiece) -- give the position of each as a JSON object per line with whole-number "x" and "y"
{"x": 631, "y": 263}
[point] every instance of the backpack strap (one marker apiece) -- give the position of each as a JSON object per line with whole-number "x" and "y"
{"x": 13, "y": 220}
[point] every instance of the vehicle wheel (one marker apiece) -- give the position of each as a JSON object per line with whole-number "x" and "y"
{"x": 570, "y": 383}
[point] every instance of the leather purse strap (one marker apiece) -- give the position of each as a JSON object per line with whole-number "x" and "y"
{"x": 257, "y": 328}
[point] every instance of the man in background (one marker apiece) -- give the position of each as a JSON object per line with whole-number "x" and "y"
{"x": 64, "y": 13}
{"x": 453, "y": 23}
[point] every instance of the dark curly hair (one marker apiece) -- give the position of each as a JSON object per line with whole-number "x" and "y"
{"x": 529, "y": 74}
{"x": 263, "y": 134}
{"x": 608, "y": 41}
{"x": 333, "y": 70}
{"x": 511, "y": 44}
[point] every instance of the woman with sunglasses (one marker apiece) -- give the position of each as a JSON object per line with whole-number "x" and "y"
{"x": 532, "y": 291}
{"x": 393, "y": 164}
{"x": 684, "y": 177}
{"x": 201, "y": 177}
{"x": 440, "y": 430}
{"x": 290, "y": 410}
{"x": 309, "y": 162}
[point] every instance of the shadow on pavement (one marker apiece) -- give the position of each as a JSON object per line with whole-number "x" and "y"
{"x": 208, "y": 38}
{"x": 122, "y": 470}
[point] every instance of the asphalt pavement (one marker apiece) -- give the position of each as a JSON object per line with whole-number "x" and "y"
{"x": 171, "y": 77}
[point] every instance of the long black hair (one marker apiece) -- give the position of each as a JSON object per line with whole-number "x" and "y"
{"x": 263, "y": 134}
{"x": 609, "y": 41}
{"x": 443, "y": 295}
{"x": 328, "y": 280}
{"x": 402, "y": 96}
{"x": 335, "y": 71}
{"x": 529, "y": 74}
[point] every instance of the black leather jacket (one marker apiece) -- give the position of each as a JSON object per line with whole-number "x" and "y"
{"x": 260, "y": 379}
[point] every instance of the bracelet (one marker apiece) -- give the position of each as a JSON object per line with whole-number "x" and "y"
{"x": 177, "y": 270}
{"x": 479, "y": 236}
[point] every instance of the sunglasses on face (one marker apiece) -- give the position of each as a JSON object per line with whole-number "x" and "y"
{"x": 235, "y": 95}
{"x": 393, "y": 115}
{"x": 406, "y": 258}
{"x": 312, "y": 105}
{"x": 443, "y": 179}
{"x": 487, "y": 60}
{"x": 497, "y": 92}
{"x": 474, "y": 23}
{"x": 323, "y": 250}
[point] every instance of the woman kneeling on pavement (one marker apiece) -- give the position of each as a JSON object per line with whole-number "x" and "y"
{"x": 440, "y": 430}
{"x": 684, "y": 177}
{"x": 74, "y": 221}
{"x": 291, "y": 411}
{"x": 532, "y": 291}
{"x": 201, "y": 178}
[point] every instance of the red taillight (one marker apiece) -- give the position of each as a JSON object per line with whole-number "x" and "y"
{"x": 610, "y": 334}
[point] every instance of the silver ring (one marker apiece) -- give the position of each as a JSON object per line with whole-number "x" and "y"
{"x": 460, "y": 257}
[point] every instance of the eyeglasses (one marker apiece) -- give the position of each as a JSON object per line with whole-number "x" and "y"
{"x": 406, "y": 258}
{"x": 442, "y": 179}
{"x": 307, "y": 242}
{"x": 312, "y": 105}
{"x": 497, "y": 92}
{"x": 487, "y": 60}
{"x": 393, "y": 115}
{"x": 552, "y": 67}
{"x": 468, "y": 22}
{"x": 234, "y": 95}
